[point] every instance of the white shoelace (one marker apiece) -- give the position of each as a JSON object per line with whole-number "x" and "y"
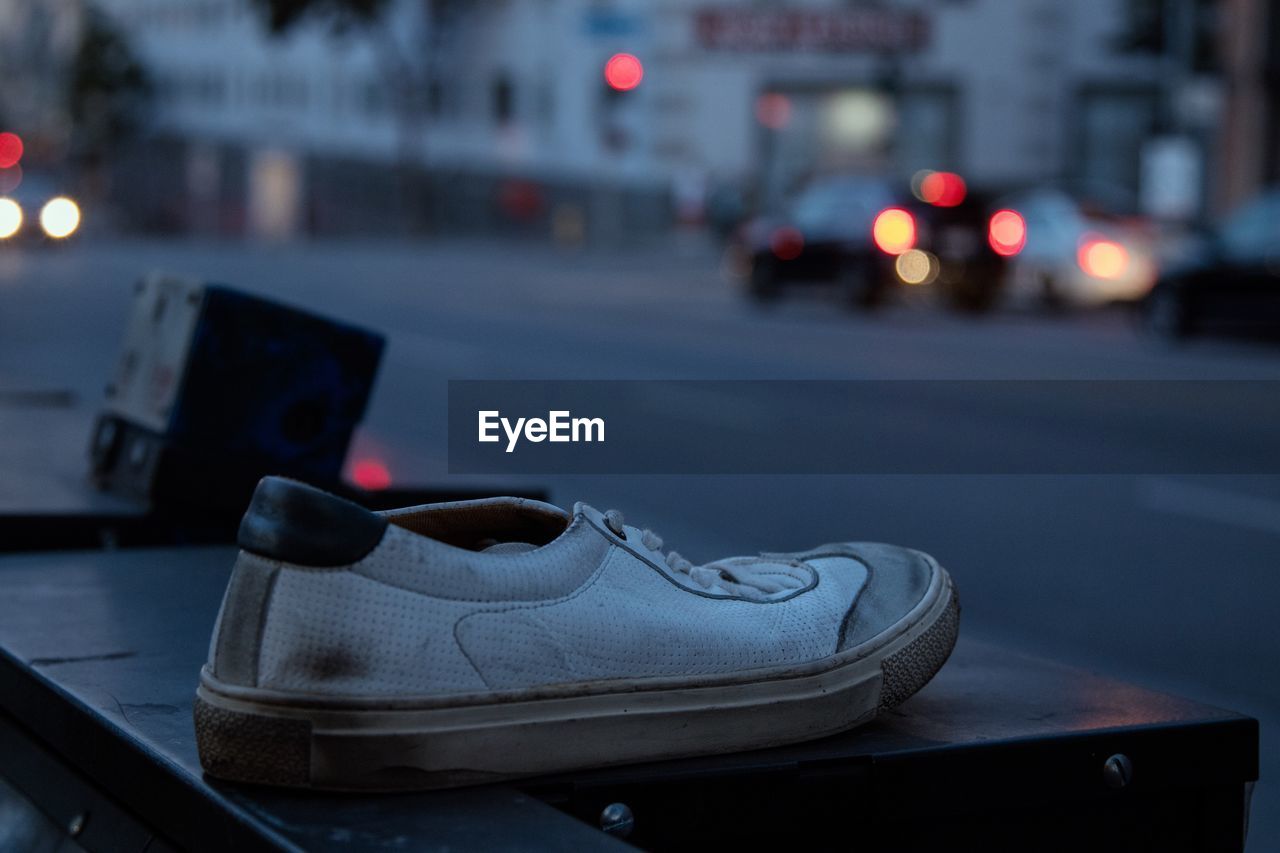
{"x": 735, "y": 580}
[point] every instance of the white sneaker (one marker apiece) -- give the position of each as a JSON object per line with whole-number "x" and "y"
{"x": 465, "y": 642}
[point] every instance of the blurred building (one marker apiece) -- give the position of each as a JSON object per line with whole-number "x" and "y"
{"x": 1250, "y": 148}
{"x": 37, "y": 41}
{"x": 504, "y": 108}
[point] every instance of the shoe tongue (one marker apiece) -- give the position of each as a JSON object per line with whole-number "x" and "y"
{"x": 509, "y": 548}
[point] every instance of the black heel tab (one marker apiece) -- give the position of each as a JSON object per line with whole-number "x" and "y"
{"x": 296, "y": 523}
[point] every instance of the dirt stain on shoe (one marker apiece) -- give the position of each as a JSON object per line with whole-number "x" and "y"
{"x": 329, "y": 665}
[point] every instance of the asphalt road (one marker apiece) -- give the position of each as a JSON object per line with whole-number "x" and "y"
{"x": 1171, "y": 581}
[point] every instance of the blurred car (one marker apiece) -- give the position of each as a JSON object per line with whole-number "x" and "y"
{"x": 35, "y": 210}
{"x": 964, "y": 242}
{"x": 1076, "y": 257}
{"x": 824, "y": 234}
{"x": 866, "y": 237}
{"x": 1229, "y": 282}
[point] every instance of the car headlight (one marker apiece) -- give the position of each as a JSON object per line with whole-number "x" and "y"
{"x": 1102, "y": 258}
{"x": 10, "y": 218}
{"x": 60, "y": 217}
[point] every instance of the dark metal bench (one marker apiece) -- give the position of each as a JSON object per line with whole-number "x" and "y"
{"x": 100, "y": 650}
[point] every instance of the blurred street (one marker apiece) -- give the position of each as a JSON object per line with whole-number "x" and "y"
{"x": 1170, "y": 582}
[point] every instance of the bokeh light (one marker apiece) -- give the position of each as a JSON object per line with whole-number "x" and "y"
{"x": 787, "y": 243}
{"x": 943, "y": 189}
{"x": 857, "y": 121}
{"x": 917, "y": 182}
{"x": 10, "y": 218}
{"x": 623, "y": 72}
{"x": 1007, "y": 232}
{"x": 520, "y": 199}
{"x": 894, "y": 231}
{"x": 371, "y": 475}
{"x": 10, "y": 149}
{"x": 915, "y": 266}
{"x": 1103, "y": 258}
{"x": 60, "y": 217}
{"x": 773, "y": 110}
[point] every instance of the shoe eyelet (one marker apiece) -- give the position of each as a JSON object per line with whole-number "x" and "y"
{"x": 615, "y": 529}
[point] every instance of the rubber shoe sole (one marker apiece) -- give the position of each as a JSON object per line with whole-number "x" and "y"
{"x": 258, "y": 736}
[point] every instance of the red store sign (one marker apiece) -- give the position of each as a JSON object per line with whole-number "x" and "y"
{"x": 836, "y": 30}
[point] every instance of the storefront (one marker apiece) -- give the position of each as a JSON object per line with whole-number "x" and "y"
{"x": 830, "y": 98}
{"x": 1007, "y": 94}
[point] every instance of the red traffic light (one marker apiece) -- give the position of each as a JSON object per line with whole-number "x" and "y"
{"x": 773, "y": 110}
{"x": 623, "y": 72}
{"x": 10, "y": 150}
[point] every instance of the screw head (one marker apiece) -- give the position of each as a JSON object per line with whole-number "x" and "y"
{"x": 617, "y": 820}
{"x": 107, "y": 435}
{"x": 1117, "y": 772}
{"x": 137, "y": 452}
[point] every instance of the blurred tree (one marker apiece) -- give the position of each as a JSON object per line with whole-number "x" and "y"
{"x": 1144, "y": 29}
{"x": 37, "y": 40}
{"x": 405, "y": 46}
{"x": 281, "y": 15}
{"x": 109, "y": 91}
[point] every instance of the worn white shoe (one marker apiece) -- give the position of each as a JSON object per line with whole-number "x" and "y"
{"x": 458, "y": 643}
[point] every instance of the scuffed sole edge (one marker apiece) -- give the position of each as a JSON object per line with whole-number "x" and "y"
{"x": 253, "y": 747}
{"x": 911, "y": 668}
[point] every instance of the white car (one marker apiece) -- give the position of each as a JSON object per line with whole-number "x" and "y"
{"x": 1072, "y": 258}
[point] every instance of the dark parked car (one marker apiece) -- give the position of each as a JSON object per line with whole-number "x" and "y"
{"x": 822, "y": 235}
{"x": 869, "y": 239}
{"x": 1230, "y": 282}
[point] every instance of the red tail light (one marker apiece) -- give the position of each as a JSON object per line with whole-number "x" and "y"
{"x": 787, "y": 243}
{"x": 943, "y": 189}
{"x": 1007, "y": 232}
{"x": 371, "y": 475}
{"x": 894, "y": 231}
{"x": 10, "y": 149}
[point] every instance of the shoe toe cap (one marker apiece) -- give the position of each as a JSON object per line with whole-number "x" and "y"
{"x": 898, "y": 579}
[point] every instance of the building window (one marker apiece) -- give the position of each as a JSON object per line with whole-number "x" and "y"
{"x": 503, "y": 99}
{"x": 1113, "y": 124}
{"x": 927, "y": 129}
{"x": 1144, "y": 27}
{"x": 375, "y": 98}
{"x": 547, "y": 102}
{"x": 435, "y": 98}
{"x": 1206, "y": 36}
